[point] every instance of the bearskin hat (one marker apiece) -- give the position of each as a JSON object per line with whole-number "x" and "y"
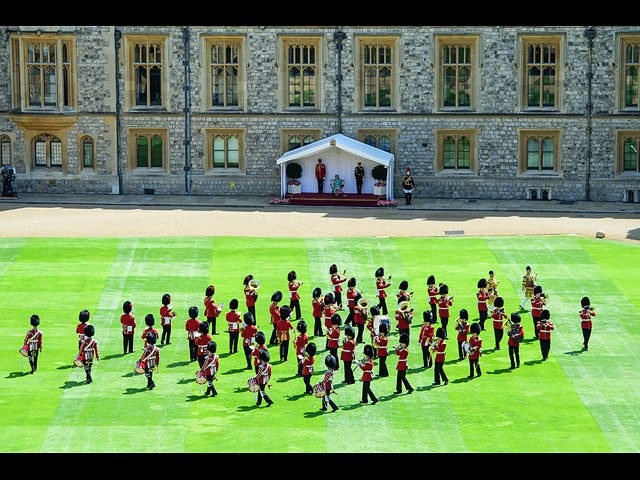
{"x": 374, "y": 310}
{"x": 210, "y": 290}
{"x": 515, "y": 317}
{"x": 291, "y": 276}
{"x": 333, "y": 269}
{"x": 34, "y": 320}
{"x": 537, "y": 289}
{"x": 475, "y": 328}
{"x": 440, "y": 333}
{"x": 89, "y": 330}
{"x": 264, "y": 355}
{"x": 402, "y": 298}
{"x": 212, "y": 346}
{"x": 431, "y": 280}
{"x": 166, "y": 299}
{"x": 277, "y": 296}
{"x": 316, "y": 292}
{"x": 383, "y": 328}
{"x": 482, "y": 283}
{"x": 330, "y": 362}
{"x": 403, "y": 285}
{"x": 426, "y": 316}
{"x": 247, "y": 279}
{"x": 193, "y": 312}
{"x": 490, "y": 272}
{"x": 285, "y": 312}
{"x": 585, "y": 302}
{"x": 233, "y": 304}
{"x": 351, "y": 282}
{"x": 311, "y": 349}
{"x": 328, "y": 298}
{"x": 545, "y": 314}
{"x": 261, "y": 338}
{"x": 498, "y": 302}
{"x": 301, "y": 326}
{"x": 203, "y": 328}
{"x": 84, "y": 316}
{"x": 336, "y": 319}
{"x": 349, "y": 331}
{"x": 380, "y": 272}
{"x": 248, "y": 318}
{"x": 444, "y": 289}
{"x": 404, "y": 338}
{"x": 149, "y": 320}
{"x": 151, "y": 338}
{"x": 127, "y": 307}
{"x": 464, "y": 314}
{"x": 368, "y": 350}
{"x": 528, "y": 268}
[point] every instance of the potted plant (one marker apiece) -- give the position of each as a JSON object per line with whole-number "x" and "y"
{"x": 379, "y": 173}
{"x": 294, "y": 172}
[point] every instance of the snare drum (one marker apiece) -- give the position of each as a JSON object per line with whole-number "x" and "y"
{"x": 139, "y": 368}
{"x": 78, "y": 361}
{"x": 24, "y": 351}
{"x": 466, "y": 346}
{"x": 319, "y": 390}
{"x": 201, "y": 378}
{"x": 253, "y": 384}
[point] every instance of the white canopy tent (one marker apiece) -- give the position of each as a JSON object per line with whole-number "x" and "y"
{"x": 340, "y": 154}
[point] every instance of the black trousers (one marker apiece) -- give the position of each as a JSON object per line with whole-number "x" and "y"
{"x": 33, "y": 360}
{"x": 483, "y": 317}
{"x": 382, "y": 304}
{"x": 401, "y": 379}
{"x": 434, "y": 312}
{"x": 359, "y": 187}
{"x": 586, "y": 334}
{"x": 284, "y": 350}
{"x": 427, "y": 360}
{"x": 536, "y": 320}
{"x": 498, "y": 333}
{"x": 382, "y": 369}
{"x": 327, "y": 399}
{"x": 212, "y": 325}
{"x": 296, "y": 304}
{"x": 274, "y": 335}
{"x": 193, "y": 351}
{"x": 127, "y": 342}
{"x": 233, "y": 342}
{"x": 166, "y": 335}
{"x": 211, "y": 388}
{"x": 367, "y": 393}
{"x": 474, "y": 363}
{"x": 545, "y": 346}
{"x": 247, "y": 355}
{"x": 338, "y": 298}
{"x": 348, "y": 373}
{"x": 252, "y": 310}
{"x": 407, "y": 198}
{"x": 444, "y": 321}
{"x": 87, "y": 369}
{"x": 439, "y": 374}
{"x": 307, "y": 384}
{"x": 334, "y": 352}
{"x": 360, "y": 328}
{"x": 320, "y": 185}
{"x": 514, "y": 355}
{"x": 352, "y": 313}
{"x": 201, "y": 360}
{"x": 262, "y": 394}
{"x": 317, "y": 327}
{"x": 149, "y": 374}
{"x": 461, "y": 353}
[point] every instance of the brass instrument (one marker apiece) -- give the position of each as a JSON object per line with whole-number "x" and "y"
{"x": 254, "y": 284}
{"x": 358, "y": 364}
{"x": 434, "y": 345}
{"x": 406, "y": 312}
{"x": 363, "y": 303}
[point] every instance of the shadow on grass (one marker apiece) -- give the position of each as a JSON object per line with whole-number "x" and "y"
{"x": 178, "y": 364}
{"x": 131, "y": 391}
{"x": 17, "y": 374}
{"x": 575, "y": 353}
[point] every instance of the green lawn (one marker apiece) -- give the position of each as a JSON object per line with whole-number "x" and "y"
{"x": 576, "y": 401}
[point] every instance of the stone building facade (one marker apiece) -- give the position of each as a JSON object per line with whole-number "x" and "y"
{"x": 475, "y": 112}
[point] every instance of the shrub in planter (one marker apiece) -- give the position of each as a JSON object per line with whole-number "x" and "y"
{"x": 379, "y": 173}
{"x": 294, "y": 170}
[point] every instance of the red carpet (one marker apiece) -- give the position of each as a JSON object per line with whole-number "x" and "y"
{"x": 326, "y": 199}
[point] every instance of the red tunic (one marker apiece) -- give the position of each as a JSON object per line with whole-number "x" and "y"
{"x": 482, "y": 300}
{"x": 462, "y": 335}
{"x": 274, "y": 310}
{"x": 329, "y": 310}
{"x": 440, "y": 347}
{"x": 403, "y": 362}
{"x": 234, "y": 319}
{"x": 382, "y": 342}
{"x": 544, "y": 332}
{"x": 402, "y": 321}
{"x": 256, "y": 354}
{"x": 586, "y": 315}
{"x": 307, "y": 365}
{"x": 293, "y": 290}
{"x": 432, "y": 291}
{"x": 211, "y": 364}
{"x": 166, "y": 315}
{"x": 348, "y": 351}
{"x": 264, "y": 373}
{"x": 248, "y": 335}
{"x": 210, "y": 308}
{"x": 80, "y": 331}
{"x": 334, "y": 336}
{"x": 192, "y": 325}
{"x": 477, "y": 343}
{"x": 144, "y": 334}
{"x": 33, "y": 340}
{"x": 317, "y": 307}
{"x": 89, "y": 349}
{"x": 336, "y": 281}
{"x": 128, "y": 322}
{"x": 514, "y": 343}
{"x": 327, "y": 381}
{"x": 201, "y": 344}
{"x": 150, "y": 356}
{"x": 351, "y": 292}
{"x": 321, "y": 171}
{"x": 250, "y": 296}
{"x": 443, "y": 306}
{"x": 283, "y": 328}
{"x": 359, "y": 318}
{"x": 536, "y": 306}
{"x": 380, "y": 288}
{"x": 301, "y": 342}
{"x": 426, "y": 335}
{"x": 367, "y": 370}
{"x": 498, "y": 318}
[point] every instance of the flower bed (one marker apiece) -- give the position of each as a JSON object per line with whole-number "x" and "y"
{"x": 387, "y": 203}
{"x": 279, "y": 201}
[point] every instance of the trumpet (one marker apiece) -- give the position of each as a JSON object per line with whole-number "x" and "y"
{"x": 434, "y": 345}
{"x": 358, "y": 364}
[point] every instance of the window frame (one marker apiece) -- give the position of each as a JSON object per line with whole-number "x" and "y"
{"x": 81, "y": 153}
{"x": 48, "y": 139}
{"x": 282, "y": 62}
{"x": 226, "y": 133}
{"x": 208, "y": 41}
{"x": 4, "y": 138}
{"x": 621, "y": 43}
{"x": 132, "y": 136}
{"x": 473, "y": 42}
{"x": 559, "y": 42}
{"x": 621, "y": 136}
{"x": 361, "y": 42}
{"x": 129, "y": 42}
{"x": 524, "y": 136}
{"x": 287, "y": 134}
{"x": 441, "y": 136}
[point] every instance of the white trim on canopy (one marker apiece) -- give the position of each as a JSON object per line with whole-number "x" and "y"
{"x": 340, "y": 154}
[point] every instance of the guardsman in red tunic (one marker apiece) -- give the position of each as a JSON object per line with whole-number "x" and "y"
{"x": 301, "y": 341}
{"x": 403, "y": 316}
{"x": 248, "y": 335}
{"x": 89, "y": 352}
{"x": 544, "y": 333}
{"x": 83, "y": 317}
{"x": 381, "y": 293}
{"x": 149, "y": 321}
{"x": 331, "y": 362}
{"x": 318, "y": 307}
{"x": 250, "y": 295}
{"x": 432, "y": 292}
{"x": 402, "y": 351}
{"x": 367, "y": 375}
{"x": 482, "y": 296}
{"x": 329, "y": 310}
{"x": 348, "y": 354}
{"x": 294, "y": 296}
{"x": 333, "y": 335}
{"x": 202, "y": 342}
{"x": 307, "y": 366}
{"x": 498, "y": 316}
{"x": 284, "y": 326}
{"x": 166, "y": 316}
{"x": 444, "y": 302}
{"x": 264, "y": 375}
{"x": 360, "y": 316}
{"x": 514, "y": 340}
{"x": 32, "y": 344}
{"x": 128, "y": 322}
{"x": 352, "y": 292}
{"x": 234, "y": 319}
{"x": 150, "y": 358}
{"x": 463, "y": 330}
{"x": 274, "y": 310}
{"x": 475, "y": 344}
{"x": 585, "y": 320}
{"x": 192, "y": 326}
{"x": 426, "y": 338}
{"x": 211, "y": 309}
{"x": 439, "y": 347}
{"x": 381, "y": 342}
{"x": 211, "y": 366}
{"x": 261, "y": 339}
{"x": 321, "y": 173}
{"x": 538, "y": 302}
{"x": 336, "y": 280}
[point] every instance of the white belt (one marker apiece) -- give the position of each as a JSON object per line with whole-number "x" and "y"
{"x": 233, "y": 325}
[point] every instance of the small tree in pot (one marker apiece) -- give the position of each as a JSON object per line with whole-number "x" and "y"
{"x": 379, "y": 173}
{"x": 294, "y": 171}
